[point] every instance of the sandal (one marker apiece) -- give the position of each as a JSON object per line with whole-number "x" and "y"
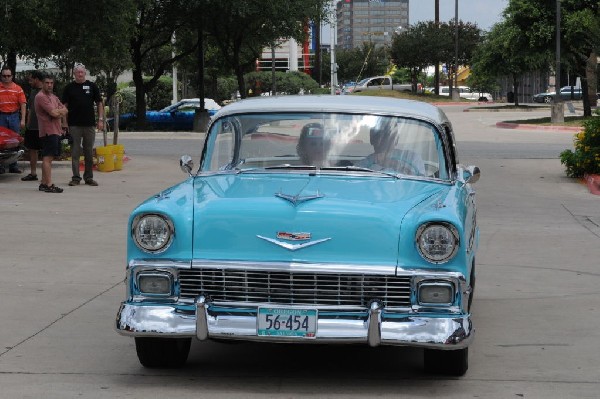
{"x": 29, "y": 177}
{"x": 43, "y": 187}
{"x": 53, "y": 189}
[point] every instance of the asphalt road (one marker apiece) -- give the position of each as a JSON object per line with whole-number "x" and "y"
{"x": 536, "y": 309}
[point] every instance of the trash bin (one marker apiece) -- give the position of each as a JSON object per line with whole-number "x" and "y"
{"x": 510, "y": 97}
{"x": 106, "y": 159}
{"x": 118, "y": 152}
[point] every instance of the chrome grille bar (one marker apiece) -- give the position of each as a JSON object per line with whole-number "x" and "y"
{"x": 282, "y": 287}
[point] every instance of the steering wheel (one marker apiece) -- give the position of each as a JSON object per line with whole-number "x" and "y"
{"x": 401, "y": 166}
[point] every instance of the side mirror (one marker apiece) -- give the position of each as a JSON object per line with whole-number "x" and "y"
{"x": 186, "y": 164}
{"x": 471, "y": 174}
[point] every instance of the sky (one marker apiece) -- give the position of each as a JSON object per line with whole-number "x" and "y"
{"x": 484, "y": 13}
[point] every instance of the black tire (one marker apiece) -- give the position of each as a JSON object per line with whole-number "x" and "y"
{"x": 483, "y": 99}
{"x": 162, "y": 352}
{"x": 455, "y": 362}
{"x": 548, "y": 100}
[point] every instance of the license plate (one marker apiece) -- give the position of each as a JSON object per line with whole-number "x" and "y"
{"x": 287, "y": 322}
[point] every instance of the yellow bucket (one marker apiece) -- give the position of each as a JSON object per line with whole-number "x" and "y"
{"x": 118, "y": 152}
{"x": 106, "y": 159}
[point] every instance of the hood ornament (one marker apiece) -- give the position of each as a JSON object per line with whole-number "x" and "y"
{"x": 298, "y": 199}
{"x": 293, "y": 237}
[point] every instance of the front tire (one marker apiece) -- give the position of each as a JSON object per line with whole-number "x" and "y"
{"x": 547, "y": 100}
{"x": 451, "y": 362}
{"x": 162, "y": 352}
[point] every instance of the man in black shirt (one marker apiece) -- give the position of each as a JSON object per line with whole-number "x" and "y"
{"x": 79, "y": 97}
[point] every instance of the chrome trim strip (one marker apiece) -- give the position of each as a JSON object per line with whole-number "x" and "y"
{"x": 159, "y": 263}
{"x": 451, "y": 332}
{"x": 296, "y": 267}
{"x": 293, "y": 247}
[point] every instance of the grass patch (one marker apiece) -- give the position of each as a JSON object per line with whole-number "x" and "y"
{"x": 569, "y": 121}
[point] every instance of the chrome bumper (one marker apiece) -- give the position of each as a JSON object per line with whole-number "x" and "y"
{"x": 10, "y": 156}
{"x": 451, "y": 332}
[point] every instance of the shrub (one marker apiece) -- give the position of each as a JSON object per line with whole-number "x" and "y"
{"x": 161, "y": 95}
{"x": 126, "y": 97}
{"x": 287, "y": 82}
{"x": 586, "y": 157}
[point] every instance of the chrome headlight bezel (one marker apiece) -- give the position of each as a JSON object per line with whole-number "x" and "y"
{"x": 451, "y": 234}
{"x": 143, "y": 242}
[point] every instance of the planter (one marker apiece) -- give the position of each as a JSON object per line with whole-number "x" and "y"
{"x": 593, "y": 183}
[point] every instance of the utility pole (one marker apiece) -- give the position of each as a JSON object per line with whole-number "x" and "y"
{"x": 436, "y": 76}
{"x": 557, "y": 113}
{"x": 332, "y": 41}
{"x": 455, "y": 91}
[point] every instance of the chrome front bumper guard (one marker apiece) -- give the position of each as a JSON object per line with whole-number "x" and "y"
{"x": 450, "y": 332}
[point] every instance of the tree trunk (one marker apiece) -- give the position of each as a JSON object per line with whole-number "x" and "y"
{"x": 587, "y": 110}
{"x": 592, "y": 79}
{"x": 140, "y": 96}
{"x": 516, "y": 90}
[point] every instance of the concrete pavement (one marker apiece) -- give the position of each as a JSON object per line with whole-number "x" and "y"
{"x": 536, "y": 311}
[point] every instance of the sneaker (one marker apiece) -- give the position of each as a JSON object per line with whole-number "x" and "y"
{"x": 43, "y": 187}
{"x": 29, "y": 177}
{"x": 74, "y": 182}
{"x": 90, "y": 182}
{"x": 53, "y": 189}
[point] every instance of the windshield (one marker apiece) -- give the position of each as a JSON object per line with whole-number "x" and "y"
{"x": 325, "y": 141}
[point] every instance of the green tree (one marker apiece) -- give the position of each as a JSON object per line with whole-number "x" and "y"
{"x": 580, "y": 32}
{"x": 151, "y": 47}
{"x": 241, "y": 29}
{"x": 504, "y": 51}
{"x": 364, "y": 61}
{"x": 414, "y": 49}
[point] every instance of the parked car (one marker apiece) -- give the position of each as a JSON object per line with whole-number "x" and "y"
{"x": 178, "y": 116}
{"x": 381, "y": 83}
{"x": 10, "y": 146}
{"x": 565, "y": 94}
{"x": 311, "y": 219}
{"x": 467, "y": 93}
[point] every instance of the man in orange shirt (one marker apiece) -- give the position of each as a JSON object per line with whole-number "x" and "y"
{"x": 12, "y": 109}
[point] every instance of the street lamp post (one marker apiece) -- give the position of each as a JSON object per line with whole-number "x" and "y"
{"x": 557, "y": 113}
{"x": 455, "y": 91}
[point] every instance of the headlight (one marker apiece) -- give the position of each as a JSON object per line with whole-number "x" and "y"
{"x": 437, "y": 242}
{"x": 436, "y": 293}
{"x": 155, "y": 283}
{"x": 152, "y": 233}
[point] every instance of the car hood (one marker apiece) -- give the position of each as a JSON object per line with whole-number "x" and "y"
{"x": 304, "y": 218}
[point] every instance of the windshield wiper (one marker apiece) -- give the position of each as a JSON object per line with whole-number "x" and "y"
{"x": 351, "y": 168}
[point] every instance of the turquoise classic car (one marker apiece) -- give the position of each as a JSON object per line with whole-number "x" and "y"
{"x": 310, "y": 219}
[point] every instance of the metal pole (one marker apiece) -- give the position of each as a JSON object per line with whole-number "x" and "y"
{"x": 436, "y": 76}
{"x": 557, "y": 113}
{"x": 332, "y": 39}
{"x": 455, "y": 92}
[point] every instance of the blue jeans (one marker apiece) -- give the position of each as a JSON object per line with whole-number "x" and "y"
{"x": 12, "y": 122}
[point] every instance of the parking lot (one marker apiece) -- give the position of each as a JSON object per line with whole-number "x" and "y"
{"x": 536, "y": 309}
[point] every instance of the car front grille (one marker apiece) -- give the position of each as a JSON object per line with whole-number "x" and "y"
{"x": 226, "y": 285}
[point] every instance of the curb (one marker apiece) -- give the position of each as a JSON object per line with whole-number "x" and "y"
{"x": 566, "y": 129}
